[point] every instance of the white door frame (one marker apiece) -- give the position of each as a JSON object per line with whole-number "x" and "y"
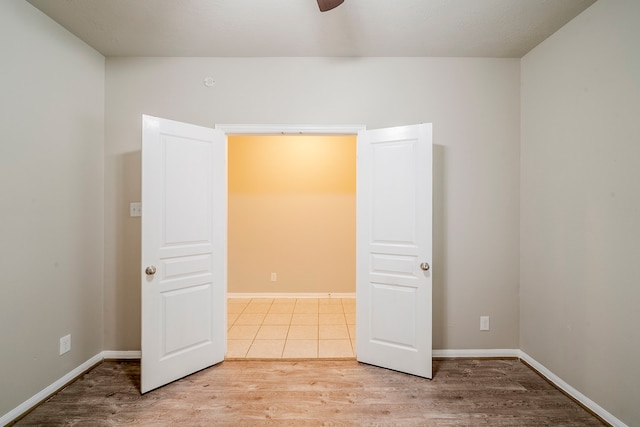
{"x": 289, "y": 130}
{"x": 236, "y": 129}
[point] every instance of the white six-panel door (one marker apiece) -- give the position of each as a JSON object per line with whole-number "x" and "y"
{"x": 184, "y": 187}
{"x": 393, "y": 239}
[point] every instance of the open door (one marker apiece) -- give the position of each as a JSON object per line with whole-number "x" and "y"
{"x": 184, "y": 209}
{"x": 393, "y": 239}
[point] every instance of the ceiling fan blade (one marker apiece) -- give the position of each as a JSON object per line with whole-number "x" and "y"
{"x": 325, "y": 5}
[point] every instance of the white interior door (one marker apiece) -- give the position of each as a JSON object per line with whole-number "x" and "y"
{"x": 184, "y": 208}
{"x": 393, "y": 238}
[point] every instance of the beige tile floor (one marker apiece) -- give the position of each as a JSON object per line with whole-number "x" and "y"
{"x": 280, "y": 328}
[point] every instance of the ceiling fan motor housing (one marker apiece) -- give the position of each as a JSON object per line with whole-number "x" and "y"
{"x": 325, "y": 5}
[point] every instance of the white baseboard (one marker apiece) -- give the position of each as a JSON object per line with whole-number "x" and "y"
{"x": 291, "y": 295}
{"x": 128, "y": 354}
{"x": 553, "y": 378}
{"x": 58, "y": 384}
{"x": 564, "y": 386}
{"x": 479, "y": 353}
{"x": 49, "y": 390}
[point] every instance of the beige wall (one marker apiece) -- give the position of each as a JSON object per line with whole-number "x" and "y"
{"x": 474, "y": 105}
{"x": 51, "y": 201}
{"x": 574, "y": 199}
{"x": 580, "y": 221}
{"x": 292, "y": 211}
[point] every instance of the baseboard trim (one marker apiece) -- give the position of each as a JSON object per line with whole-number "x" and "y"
{"x": 30, "y": 404}
{"x": 558, "y": 382}
{"x": 53, "y": 388}
{"x": 291, "y": 295}
{"x": 580, "y": 398}
{"x": 477, "y": 353}
{"x": 121, "y": 355}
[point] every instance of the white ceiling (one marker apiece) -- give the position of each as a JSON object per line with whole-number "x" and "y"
{"x": 462, "y": 28}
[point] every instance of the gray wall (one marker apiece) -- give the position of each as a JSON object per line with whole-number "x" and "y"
{"x": 474, "y": 105}
{"x": 580, "y": 208}
{"x": 51, "y": 201}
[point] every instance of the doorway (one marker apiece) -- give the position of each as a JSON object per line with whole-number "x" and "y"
{"x": 291, "y": 217}
{"x": 184, "y": 248}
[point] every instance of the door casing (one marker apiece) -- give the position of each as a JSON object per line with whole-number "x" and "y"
{"x": 289, "y": 130}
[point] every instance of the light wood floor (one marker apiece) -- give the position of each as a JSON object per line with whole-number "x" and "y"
{"x": 315, "y": 393}
{"x": 291, "y": 328}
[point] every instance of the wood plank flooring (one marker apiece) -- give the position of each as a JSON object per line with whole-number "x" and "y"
{"x": 315, "y": 393}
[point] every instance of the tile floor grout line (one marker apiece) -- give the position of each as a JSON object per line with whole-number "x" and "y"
{"x": 241, "y": 313}
{"x": 346, "y": 322}
{"x": 286, "y": 337}
{"x": 318, "y": 320}
{"x": 288, "y": 340}
{"x": 255, "y": 335}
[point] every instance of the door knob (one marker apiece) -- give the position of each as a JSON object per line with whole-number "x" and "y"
{"x": 425, "y": 266}
{"x": 151, "y": 270}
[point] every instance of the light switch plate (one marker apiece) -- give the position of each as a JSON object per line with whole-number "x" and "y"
{"x": 65, "y": 344}
{"x": 484, "y": 323}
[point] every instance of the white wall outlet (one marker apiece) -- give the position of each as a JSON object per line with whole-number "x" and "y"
{"x": 135, "y": 209}
{"x": 484, "y": 323}
{"x": 274, "y": 277}
{"x": 65, "y": 344}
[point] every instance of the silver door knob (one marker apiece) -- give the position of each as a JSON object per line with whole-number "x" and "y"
{"x": 151, "y": 270}
{"x": 425, "y": 266}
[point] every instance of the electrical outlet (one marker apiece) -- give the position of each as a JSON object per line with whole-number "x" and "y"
{"x": 274, "y": 277}
{"x": 65, "y": 344}
{"x": 484, "y": 323}
{"x": 135, "y": 209}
